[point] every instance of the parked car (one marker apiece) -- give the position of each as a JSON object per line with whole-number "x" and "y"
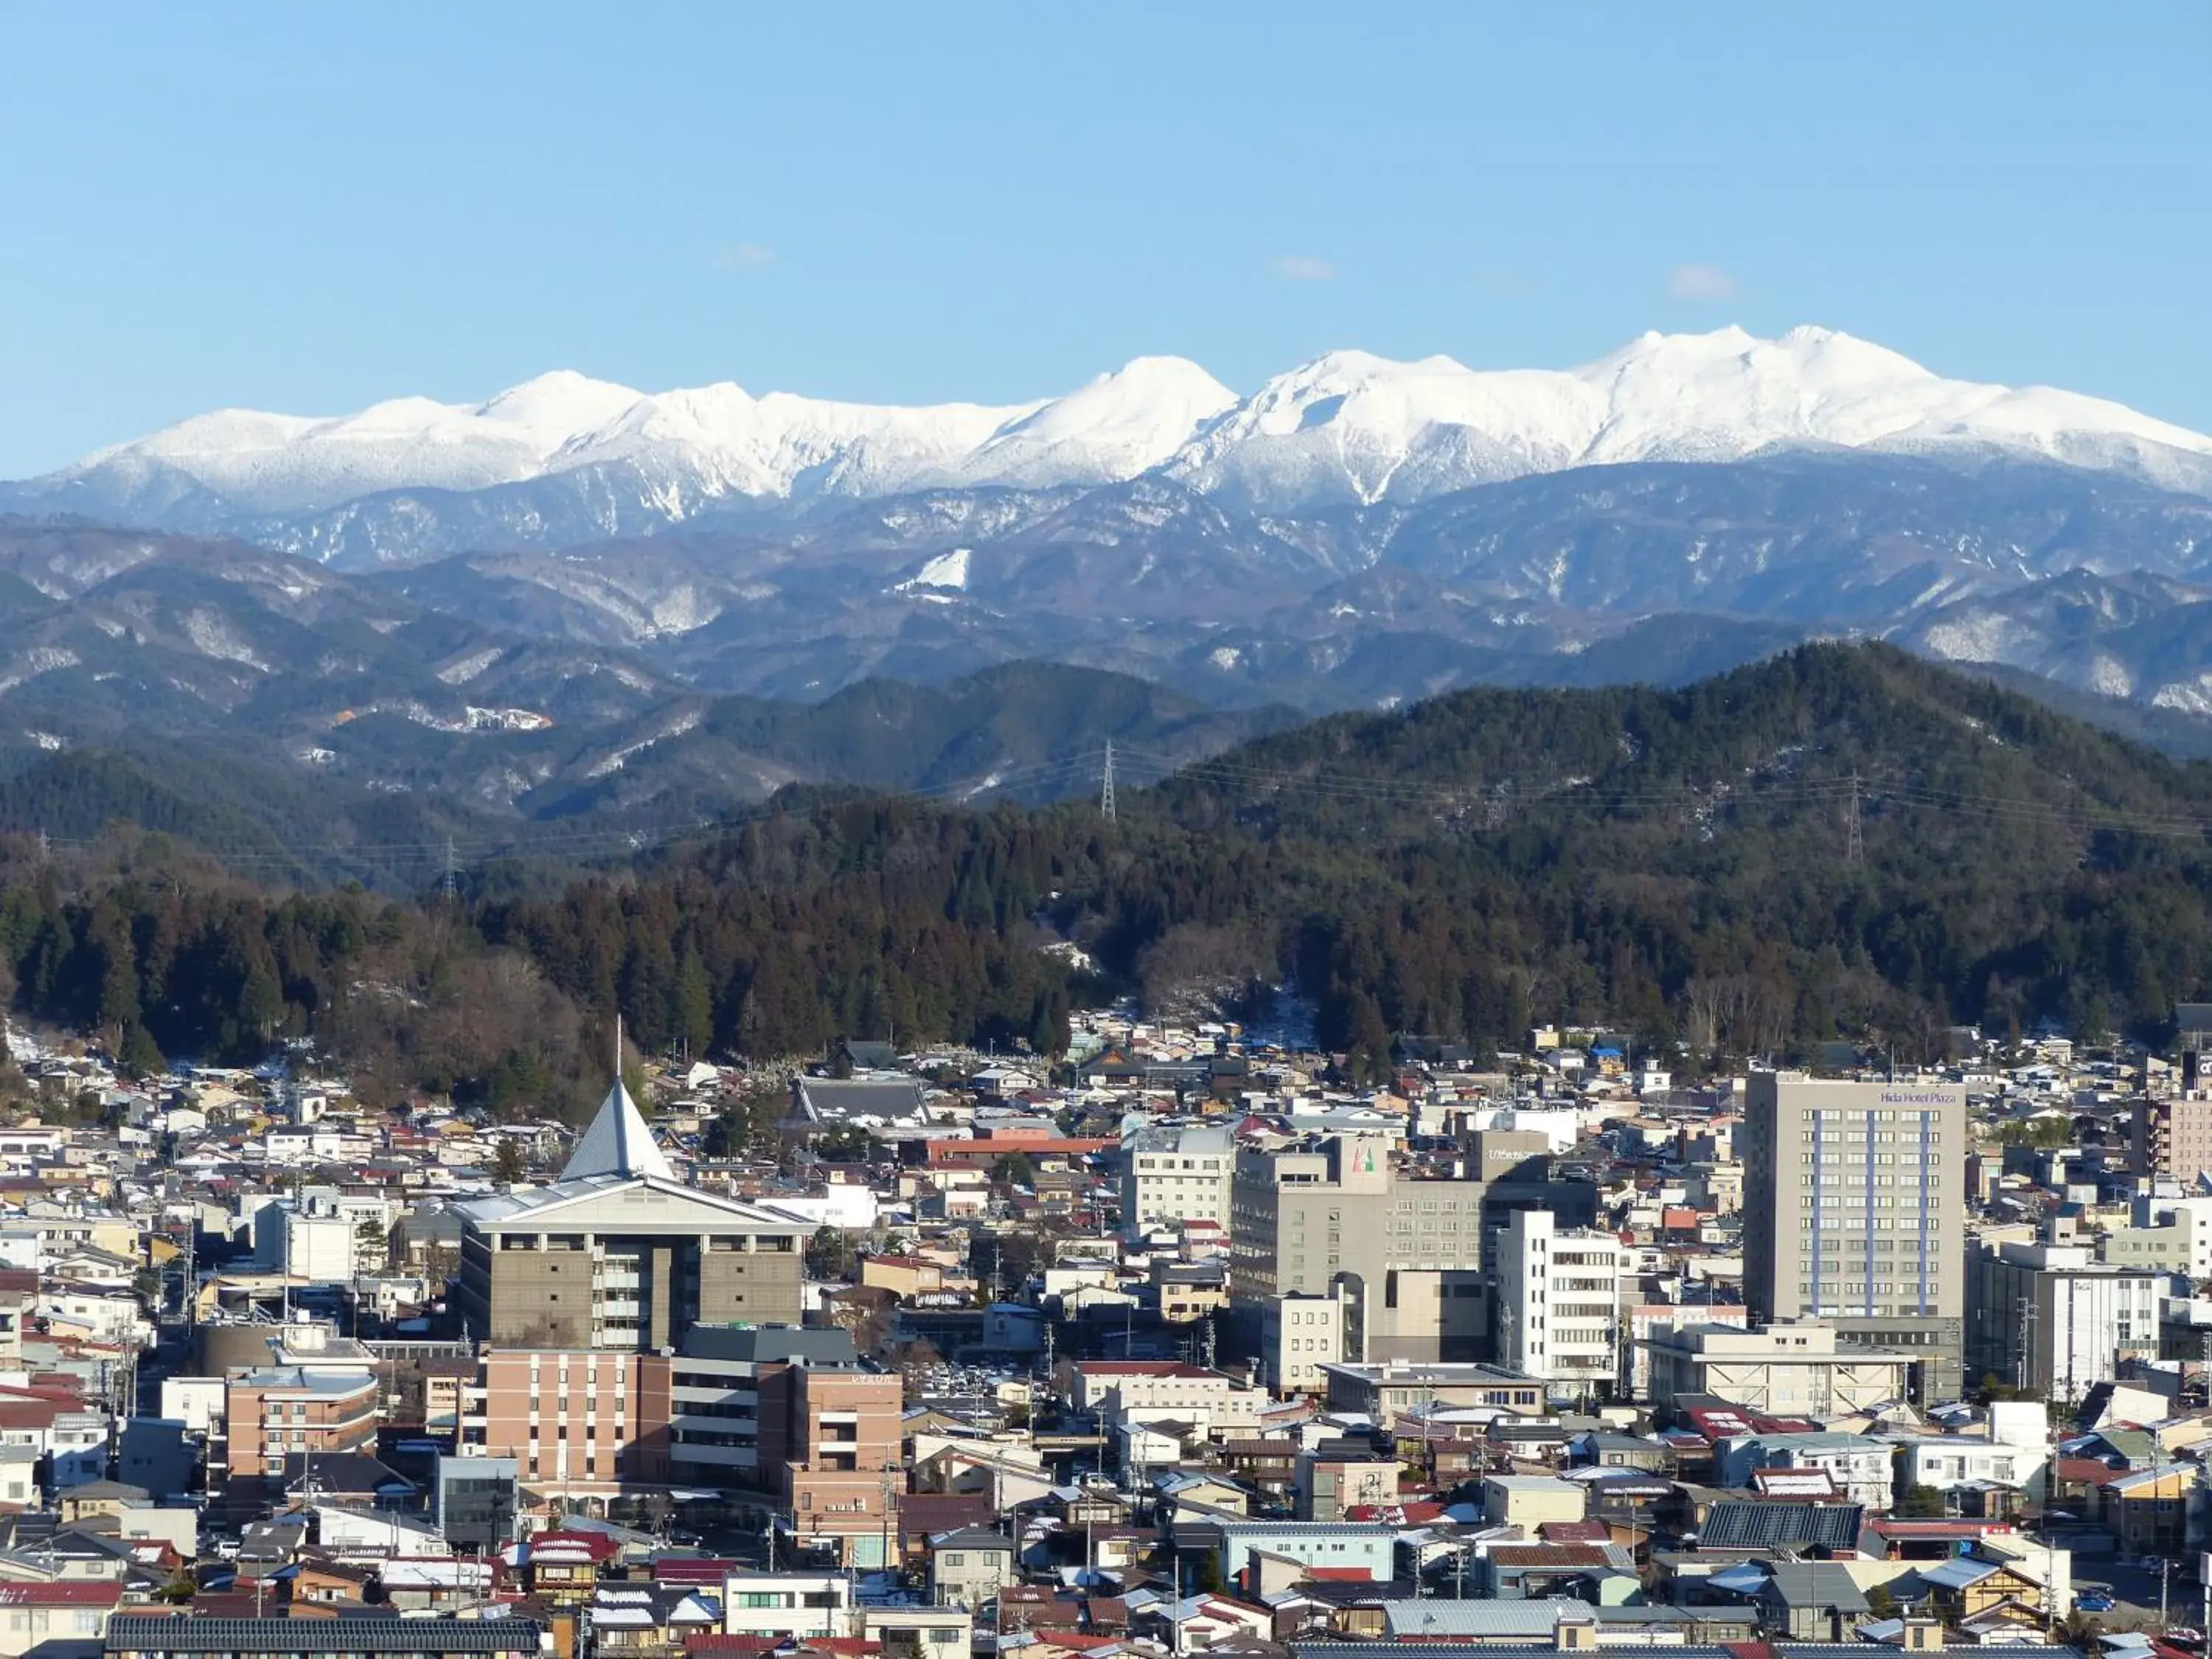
{"x": 2095, "y": 1602}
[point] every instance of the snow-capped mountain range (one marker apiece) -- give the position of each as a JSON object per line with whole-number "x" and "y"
{"x": 1346, "y": 429}
{"x": 1358, "y": 532}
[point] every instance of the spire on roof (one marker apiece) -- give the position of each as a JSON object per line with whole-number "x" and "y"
{"x": 617, "y": 1143}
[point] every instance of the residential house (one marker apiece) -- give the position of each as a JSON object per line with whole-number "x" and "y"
{"x": 968, "y": 1566}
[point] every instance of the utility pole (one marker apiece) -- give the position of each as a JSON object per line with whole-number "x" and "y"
{"x": 1855, "y": 854}
{"x": 1106, "y": 791}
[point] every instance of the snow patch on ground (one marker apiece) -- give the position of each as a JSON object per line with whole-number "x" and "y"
{"x": 504, "y": 719}
{"x": 2189, "y": 696}
{"x": 463, "y": 670}
{"x": 615, "y": 762}
{"x": 683, "y": 609}
{"x": 212, "y": 636}
{"x": 2109, "y": 675}
{"x": 946, "y": 570}
{"x": 39, "y": 660}
{"x": 1985, "y": 638}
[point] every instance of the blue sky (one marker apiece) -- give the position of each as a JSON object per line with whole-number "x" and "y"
{"x": 307, "y": 207}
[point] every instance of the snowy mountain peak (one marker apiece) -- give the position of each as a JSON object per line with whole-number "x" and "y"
{"x": 1120, "y": 424}
{"x": 1347, "y": 426}
{"x": 561, "y": 400}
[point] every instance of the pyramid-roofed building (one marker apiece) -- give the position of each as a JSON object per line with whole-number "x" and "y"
{"x": 619, "y": 1255}
{"x": 618, "y": 1142}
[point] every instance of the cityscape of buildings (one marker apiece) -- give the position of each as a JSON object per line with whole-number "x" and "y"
{"x": 1179, "y": 1343}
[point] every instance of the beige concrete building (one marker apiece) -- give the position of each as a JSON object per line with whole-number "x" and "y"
{"x": 1528, "y": 1501}
{"x": 2165, "y": 1235}
{"x": 1854, "y": 1212}
{"x": 1409, "y": 1257}
{"x": 1784, "y": 1371}
{"x": 619, "y": 1255}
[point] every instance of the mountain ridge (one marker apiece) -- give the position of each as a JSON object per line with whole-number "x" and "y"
{"x": 1347, "y": 428}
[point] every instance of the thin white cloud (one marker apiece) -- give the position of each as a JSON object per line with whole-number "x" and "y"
{"x": 1699, "y": 285}
{"x": 742, "y": 256}
{"x": 1304, "y": 268}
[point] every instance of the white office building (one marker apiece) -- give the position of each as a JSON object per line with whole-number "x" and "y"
{"x": 1173, "y": 1172}
{"x": 1559, "y": 1300}
{"x": 1299, "y": 1335}
{"x": 2052, "y": 1320}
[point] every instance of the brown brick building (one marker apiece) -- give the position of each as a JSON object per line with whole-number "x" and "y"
{"x": 2172, "y": 1136}
{"x": 572, "y": 1417}
{"x": 786, "y": 1414}
{"x": 832, "y": 1440}
{"x": 286, "y": 1410}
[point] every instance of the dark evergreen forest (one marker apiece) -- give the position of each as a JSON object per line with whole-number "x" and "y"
{"x": 1679, "y": 864}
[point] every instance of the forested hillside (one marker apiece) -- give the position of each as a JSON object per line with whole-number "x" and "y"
{"x": 1678, "y": 862}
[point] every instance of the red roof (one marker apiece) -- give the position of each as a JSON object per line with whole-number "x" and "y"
{"x": 2087, "y": 1469}
{"x": 67, "y": 1593}
{"x": 1719, "y": 1423}
{"x": 556, "y": 1543}
{"x": 1396, "y": 1514}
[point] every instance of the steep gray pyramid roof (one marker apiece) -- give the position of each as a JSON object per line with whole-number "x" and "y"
{"x": 617, "y": 1143}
